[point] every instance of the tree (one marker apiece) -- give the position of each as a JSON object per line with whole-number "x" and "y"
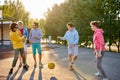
{"x": 15, "y": 11}
{"x": 81, "y": 12}
{"x": 42, "y": 23}
{"x": 112, "y": 21}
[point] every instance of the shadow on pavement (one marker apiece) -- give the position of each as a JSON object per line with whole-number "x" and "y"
{"x": 100, "y": 77}
{"x": 32, "y": 74}
{"x": 8, "y": 76}
{"x": 78, "y": 76}
{"x": 12, "y": 77}
{"x": 40, "y": 73}
{"x": 53, "y": 78}
{"x": 22, "y": 73}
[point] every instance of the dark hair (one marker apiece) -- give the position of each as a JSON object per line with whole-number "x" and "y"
{"x": 95, "y": 23}
{"x": 13, "y": 25}
{"x": 36, "y": 24}
{"x": 70, "y": 24}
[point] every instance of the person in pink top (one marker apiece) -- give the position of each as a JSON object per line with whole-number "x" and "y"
{"x": 99, "y": 47}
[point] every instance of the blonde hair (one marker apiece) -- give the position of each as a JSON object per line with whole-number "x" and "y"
{"x": 20, "y": 22}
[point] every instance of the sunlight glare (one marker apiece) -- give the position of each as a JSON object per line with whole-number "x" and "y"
{"x": 37, "y": 8}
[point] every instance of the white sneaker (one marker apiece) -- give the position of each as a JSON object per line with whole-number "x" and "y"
{"x": 97, "y": 74}
{"x": 105, "y": 79}
{"x": 40, "y": 64}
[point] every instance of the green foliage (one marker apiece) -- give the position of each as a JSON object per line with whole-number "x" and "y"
{"x": 81, "y": 12}
{"x": 13, "y": 10}
{"x": 112, "y": 21}
{"x": 42, "y": 23}
{"x": 55, "y": 21}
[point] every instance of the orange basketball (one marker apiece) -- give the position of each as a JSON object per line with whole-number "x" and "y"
{"x": 51, "y": 65}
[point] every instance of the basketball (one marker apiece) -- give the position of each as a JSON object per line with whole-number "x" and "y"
{"x": 51, "y": 65}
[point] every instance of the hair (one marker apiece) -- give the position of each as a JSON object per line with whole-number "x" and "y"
{"x": 20, "y": 22}
{"x": 13, "y": 25}
{"x": 95, "y": 23}
{"x": 36, "y": 24}
{"x": 70, "y": 24}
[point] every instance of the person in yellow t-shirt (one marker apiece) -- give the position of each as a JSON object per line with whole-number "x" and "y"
{"x": 18, "y": 46}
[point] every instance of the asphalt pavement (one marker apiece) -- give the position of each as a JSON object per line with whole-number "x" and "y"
{"x": 84, "y": 67}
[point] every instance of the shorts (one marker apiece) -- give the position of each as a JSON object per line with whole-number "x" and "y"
{"x": 25, "y": 47}
{"x": 36, "y": 46}
{"x": 73, "y": 50}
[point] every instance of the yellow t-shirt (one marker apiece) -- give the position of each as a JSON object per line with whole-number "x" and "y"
{"x": 17, "y": 39}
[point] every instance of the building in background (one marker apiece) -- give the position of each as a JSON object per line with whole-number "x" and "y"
{"x": 4, "y": 33}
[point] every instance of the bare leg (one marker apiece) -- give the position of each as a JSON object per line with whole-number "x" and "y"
{"x": 74, "y": 58}
{"x": 69, "y": 58}
{"x": 40, "y": 58}
{"x": 34, "y": 57}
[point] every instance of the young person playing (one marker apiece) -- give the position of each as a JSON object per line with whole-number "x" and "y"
{"x": 35, "y": 38}
{"x": 24, "y": 32}
{"x": 18, "y": 45}
{"x": 99, "y": 47}
{"x": 72, "y": 38}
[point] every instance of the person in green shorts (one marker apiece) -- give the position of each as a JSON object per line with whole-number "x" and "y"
{"x": 35, "y": 39}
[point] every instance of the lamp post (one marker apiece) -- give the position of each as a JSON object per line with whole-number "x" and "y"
{"x": 1, "y": 18}
{"x": 1, "y": 27}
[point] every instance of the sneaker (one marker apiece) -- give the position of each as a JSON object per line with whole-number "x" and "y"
{"x": 25, "y": 67}
{"x": 97, "y": 74}
{"x": 72, "y": 63}
{"x": 11, "y": 71}
{"x": 70, "y": 67}
{"x": 40, "y": 64}
{"x": 105, "y": 79}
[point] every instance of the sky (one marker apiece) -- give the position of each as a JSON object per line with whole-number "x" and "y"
{"x": 37, "y": 8}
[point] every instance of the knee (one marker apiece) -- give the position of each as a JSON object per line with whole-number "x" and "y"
{"x": 70, "y": 55}
{"x": 75, "y": 56}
